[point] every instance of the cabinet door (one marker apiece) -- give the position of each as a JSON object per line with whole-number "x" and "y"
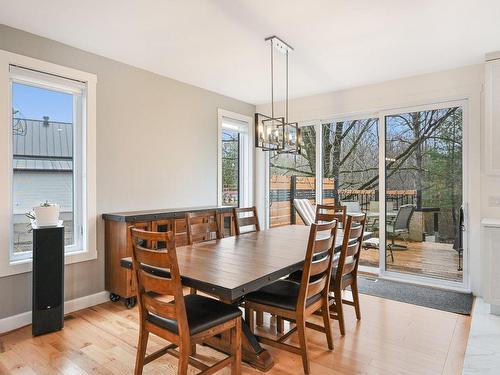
{"x": 492, "y": 117}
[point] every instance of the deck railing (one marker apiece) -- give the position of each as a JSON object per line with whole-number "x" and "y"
{"x": 284, "y": 189}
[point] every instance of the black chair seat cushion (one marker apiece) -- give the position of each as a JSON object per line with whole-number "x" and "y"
{"x": 297, "y": 276}
{"x": 202, "y": 313}
{"x": 282, "y": 294}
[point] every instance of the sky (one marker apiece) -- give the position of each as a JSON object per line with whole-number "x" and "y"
{"x": 34, "y": 103}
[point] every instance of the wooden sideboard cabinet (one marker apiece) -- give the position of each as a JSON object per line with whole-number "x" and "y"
{"x": 118, "y": 280}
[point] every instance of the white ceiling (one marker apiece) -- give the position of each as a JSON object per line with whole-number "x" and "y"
{"x": 219, "y": 44}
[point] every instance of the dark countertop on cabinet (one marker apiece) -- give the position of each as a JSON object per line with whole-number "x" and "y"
{"x": 166, "y": 213}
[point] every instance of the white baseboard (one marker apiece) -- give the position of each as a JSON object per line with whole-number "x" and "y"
{"x": 20, "y": 320}
{"x": 86, "y": 301}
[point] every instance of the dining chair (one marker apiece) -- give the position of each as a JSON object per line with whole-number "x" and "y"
{"x": 326, "y": 213}
{"x": 202, "y": 226}
{"x": 182, "y": 320}
{"x": 244, "y": 218}
{"x": 250, "y": 219}
{"x": 296, "y": 302}
{"x": 345, "y": 271}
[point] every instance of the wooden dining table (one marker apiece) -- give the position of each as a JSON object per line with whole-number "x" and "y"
{"x": 231, "y": 267}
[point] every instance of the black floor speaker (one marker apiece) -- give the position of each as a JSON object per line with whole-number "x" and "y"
{"x": 48, "y": 279}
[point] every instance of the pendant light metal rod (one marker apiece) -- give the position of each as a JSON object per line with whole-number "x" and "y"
{"x": 286, "y": 100}
{"x": 272, "y": 79}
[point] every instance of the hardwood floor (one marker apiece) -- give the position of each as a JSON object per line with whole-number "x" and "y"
{"x": 391, "y": 338}
{"x": 437, "y": 260}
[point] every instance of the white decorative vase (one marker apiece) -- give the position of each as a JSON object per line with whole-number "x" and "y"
{"x": 47, "y": 215}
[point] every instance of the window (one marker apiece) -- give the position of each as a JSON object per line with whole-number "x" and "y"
{"x": 230, "y": 166}
{"x": 235, "y": 179}
{"x": 51, "y": 149}
{"x": 46, "y": 160}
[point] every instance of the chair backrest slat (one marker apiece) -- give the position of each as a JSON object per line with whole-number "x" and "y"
{"x": 150, "y": 286}
{"x": 245, "y": 217}
{"x": 157, "y": 307}
{"x": 246, "y": 221}
{"x": 349, "y": 267}
{"x": 318, "y": 262}
{"x": 149, "y": 257}
{"x": 327, "y": 213}
{"x": 202, "y": 226}
{"x": 355, "y": 232}
{"x": 323, "y": 244}
{"x": 351, "y": 247}
{"x": 156, "y": 284}
{"x": 319, "y": 266}
{"x": 318, "y": 286}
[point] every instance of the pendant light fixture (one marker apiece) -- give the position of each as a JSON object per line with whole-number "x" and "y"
{"x": 274, "y": 133}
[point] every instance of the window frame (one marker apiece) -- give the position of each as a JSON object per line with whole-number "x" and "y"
{"x": 83, "y": 162}
{"x": 245, "y": 194}
{"x": 240, "y": 140}
{"x": 78, "y": 181}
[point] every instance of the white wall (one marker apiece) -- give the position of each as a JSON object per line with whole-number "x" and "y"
{"x": 156, "y": 148}
{"x": 457, "y": 84}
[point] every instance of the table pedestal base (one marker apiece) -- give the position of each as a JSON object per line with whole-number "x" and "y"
{"x": 251, "y": 351}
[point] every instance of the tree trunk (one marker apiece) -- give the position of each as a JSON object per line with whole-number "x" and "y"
{"x": 337, "y": 149}
{"x": 416, "y": 126}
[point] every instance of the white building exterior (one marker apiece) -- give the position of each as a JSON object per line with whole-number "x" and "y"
{"x": 42, "y": 166}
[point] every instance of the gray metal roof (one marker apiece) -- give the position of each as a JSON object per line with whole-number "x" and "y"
{"x": 42, "y": 145}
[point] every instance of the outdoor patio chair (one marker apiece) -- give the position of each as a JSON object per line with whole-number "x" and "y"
{"x": 372, "y": 220}
{"x": 399, "y": 227}
{"x": 306, "y": 210}
{"x": 374, "y": 206}
{"x": 353, "y": 207}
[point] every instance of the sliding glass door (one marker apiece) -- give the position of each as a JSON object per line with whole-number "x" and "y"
{"x": 404, "y": 169}
{"x": 350, "y": 151}
{"x": 423, "y": 169}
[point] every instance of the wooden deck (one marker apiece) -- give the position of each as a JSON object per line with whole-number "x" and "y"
{"x": 437, "y": 260}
